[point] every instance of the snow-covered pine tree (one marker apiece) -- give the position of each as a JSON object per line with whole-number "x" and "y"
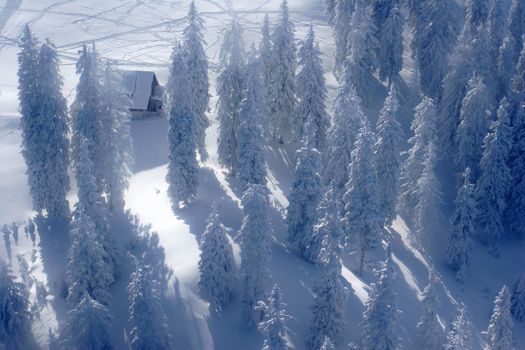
{"x": 343, "y": 15}
{"x": 387, "y": 155}
{"x": 455, "y": 84}
{"x": 88, "y": 270}
{"x": 500, "y": 327}
{"x": 216, "y": 265}
{"x": 255, "y": 252}
{"x": 473, "y": 126}
{"x": 329, "y": 301}
{"x": 429, "y": 199}
{"x": 348, "y": 117}
{"x": 265, "y": 54}
{"x": 329, "y": 9}
{"x": 362, "y": 222}
{"x": 15, "y": 319}
{"x": 87, "y": 114}
{"x": 460, "y": 244}
{"x": 381, "y": 10}
{"x": 477, "y": 14}
{"x": 30, "y": 125}
{"x": 273, "y": 326}
{"x": 197, "y": 80}
{"x": 230, "y": 86}
{"x": 183, "y": 167}
{"x": 87, "y": 326}
{"x": 516, "y": 22}
{"x": 149, "y": 328}
{"x": 517, "y": 307}
{"x": 282, "y": 84}
{"x": 390, "y": 37}
{"x": 327, "y": 344}
{"x": 424, "y": 129}
{"x": 508, "y": 51}
{"x": 497, "y": 27}
{"x": 304, "y": 198}
{"x": 380, "y": 314}
{"x": 493, "y": 185}
{"x": 363, "y": 45}
{"x": 90, "y": 199}
{"x": 434, "y": 36}
{"x": 250, "y": 164}
{"x": 53, "y": 137}
{"x": 459, "y": 337}
{"x": 517, "y": 154}
{"x": 430, "y": 332}
{"x": 328, "y": 224}
{"x": 118, "y": 144}
{"x": 311, "y": 93}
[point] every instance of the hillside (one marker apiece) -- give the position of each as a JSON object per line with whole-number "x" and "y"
{"x": 140, "y": 35}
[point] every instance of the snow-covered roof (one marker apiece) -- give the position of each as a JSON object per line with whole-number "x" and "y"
{"x": 139, "y": 85}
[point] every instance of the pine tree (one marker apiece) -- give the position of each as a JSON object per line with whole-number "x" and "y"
{"x": 390, "y": 37}
{"x": 183, "y": 168}
{"x": 216, "y": 265}
{"x": 304, "y": 198}
{"x": 329, "y": 301}
{"x": 273, "y": 326}
{"x": 311, "y": 92}
{"x": 88, "y": 271}
{"x": 473, "y": 126}
{"x": 118, "y": 157}
{"x": 283, "y": 87}
{"x": 30, "y": 125}
{"x": 197, "y": 79}
{"x": 380, "y": 314}
{"x": 348, "y": 117}
{"x": 460, "y": 244}
{"x": 429, "y": 329}
{"x": 429, "y": 198}
{"x": 15, "y": 319}
{"x": 265, "y": 54}
{"x": 88, "y": 326}
{"x": 493, "y": 184}
{"x": 90, "y": 199}
{"x": 497, "y": 27}
{"x": 459, "y": 336}
{"x": 387, "y": 155}
{"x": 516, "y": 22}
{"x": 255, "y": 252}
{"x": 424, "y": 129}
{"x": 328, "y": 224}
{"x": 327, "y": 344}
{"x": 517, "y": 154}
{"x": 146, "y": 316}
{"x": 517, "y": 307}
{"x": 87, "y": 114}
{"x": 53, "y": 138}
{"x": 455, "y": 84}
{"x": 329, "y": 9}
{"x": 362, "y": 222}
{"x": 500, "y": 326}
{"x": 343, "y": 15}
{"x": 230, "y": 86}
{"x": 507, "y": 54}
{"x": 250, "y": 164}
{"x": 363, "y": 45}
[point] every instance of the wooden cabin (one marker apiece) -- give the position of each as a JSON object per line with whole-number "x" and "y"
{"x": 145, "y": 93}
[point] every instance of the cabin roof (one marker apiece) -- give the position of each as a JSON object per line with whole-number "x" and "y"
{"x": 139, "y": 85}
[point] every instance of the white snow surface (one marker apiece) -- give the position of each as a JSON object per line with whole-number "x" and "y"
{"x": 139, "y": 34}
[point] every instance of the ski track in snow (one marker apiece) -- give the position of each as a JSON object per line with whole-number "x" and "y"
{"x": 139, "y": 34}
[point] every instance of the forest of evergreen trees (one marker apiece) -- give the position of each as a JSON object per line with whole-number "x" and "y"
{"x": 352, "y": 178}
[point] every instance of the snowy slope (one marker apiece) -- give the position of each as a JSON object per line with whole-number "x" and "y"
{"x": 139, "y": 35}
